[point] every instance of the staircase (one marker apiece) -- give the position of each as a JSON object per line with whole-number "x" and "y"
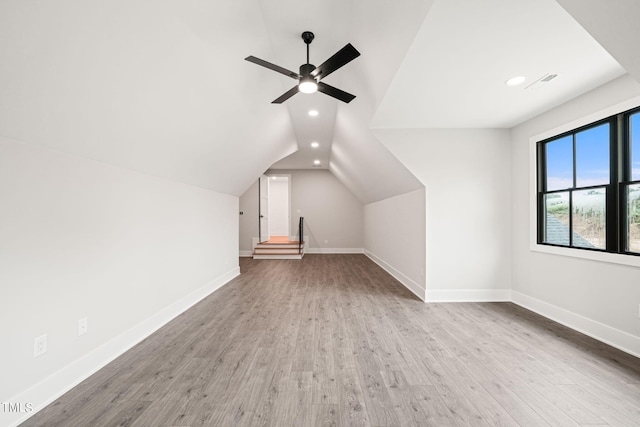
{"x": 279, "y": 248}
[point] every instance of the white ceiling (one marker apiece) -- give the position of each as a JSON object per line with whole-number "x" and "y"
{"x": 454, "y": 74}
{"x": 161, "y": 87}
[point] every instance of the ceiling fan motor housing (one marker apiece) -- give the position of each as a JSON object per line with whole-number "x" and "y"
{"x": 306, "y": 69}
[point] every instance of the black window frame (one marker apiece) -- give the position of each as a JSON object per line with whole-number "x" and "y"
{"x": 620, "y": 169}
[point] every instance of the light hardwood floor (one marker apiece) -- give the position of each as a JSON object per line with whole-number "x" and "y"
{"x": 334, "y": 340}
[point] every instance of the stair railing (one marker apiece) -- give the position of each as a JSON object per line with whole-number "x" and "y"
{"x": 300, "y": 234}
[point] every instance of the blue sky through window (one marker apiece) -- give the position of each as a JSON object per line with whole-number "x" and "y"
{"x": 592, "y": 156}
{"x": 560, "y": 163}
{"x": 592, "y": 159}
{"x": 635, "y": 146}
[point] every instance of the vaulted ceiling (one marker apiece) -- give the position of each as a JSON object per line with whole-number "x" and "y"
{"x": 161, "y": 86}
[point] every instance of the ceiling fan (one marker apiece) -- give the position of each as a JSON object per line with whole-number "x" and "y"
{"x": 310, "y": 75}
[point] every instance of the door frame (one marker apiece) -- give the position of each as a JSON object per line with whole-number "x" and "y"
{"x": 288, "y": 207}
{"x": 263, "y": 208}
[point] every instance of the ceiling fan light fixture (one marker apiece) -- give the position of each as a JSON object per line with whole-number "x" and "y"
{"x": 308, "y": 86}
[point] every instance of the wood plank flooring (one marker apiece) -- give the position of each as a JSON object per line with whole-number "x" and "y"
{"x": 333, "y": 340}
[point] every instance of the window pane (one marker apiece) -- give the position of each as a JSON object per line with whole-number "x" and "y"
{"x": 559, "y": 155}
{"x": 634, "y": 135}
{"x": 556, "y": 229}
{"x": 589, "y": 218}
{"x": 592, "y": 156}
{"x": 633, "y": 218}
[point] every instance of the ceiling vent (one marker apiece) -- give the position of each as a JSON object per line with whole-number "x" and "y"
{"x": 542, "y": 81}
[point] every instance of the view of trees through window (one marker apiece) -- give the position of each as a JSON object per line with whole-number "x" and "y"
{"x": 589, "y": 218}
{"x": 633, "y": 218}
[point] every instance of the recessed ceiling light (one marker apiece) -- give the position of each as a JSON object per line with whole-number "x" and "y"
{"x": 316, "y": 162}
{"x": 313, "y": 113}
{"x": 314, "y": 144}
{"x": 515, "y": 81}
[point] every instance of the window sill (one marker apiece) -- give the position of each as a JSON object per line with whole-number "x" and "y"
{"x": 629, "y": 260}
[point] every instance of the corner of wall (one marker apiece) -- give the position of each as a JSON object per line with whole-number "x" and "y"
{"x": 414, "y": 287}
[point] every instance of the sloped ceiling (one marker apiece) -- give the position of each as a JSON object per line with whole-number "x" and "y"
{"x": 161, "y": 87}
{"x": 155, "y": 86}
{"x": 614, "y": 24}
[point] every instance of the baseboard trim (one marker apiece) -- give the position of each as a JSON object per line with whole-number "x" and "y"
{"x": 245, "y": 254}
{"x": 469, "y": 295}
{"x": 592, "y": 328}
{"x": 414, "y": 287}
{"x": 58, "y": 383}
{"x": 333, "y": 250}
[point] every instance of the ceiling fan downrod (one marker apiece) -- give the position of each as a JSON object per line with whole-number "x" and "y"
{"x": 307, "y": 37}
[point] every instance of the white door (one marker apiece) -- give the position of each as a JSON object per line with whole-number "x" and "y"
{"x": 279, "y": 206}
{"x": 263, "y": 189}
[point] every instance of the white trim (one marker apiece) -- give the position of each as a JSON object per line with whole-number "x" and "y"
{"x": 333, "y": 250}
{"x": 245, "y": 254}
{"x": 469, "y": 295}
{"x": 63, "y": 380}
{"x": 599, "y": 331}
{"x": 630, "y": 260}
{"x": 533, "y": 225}
{"x": 408, "y": 283}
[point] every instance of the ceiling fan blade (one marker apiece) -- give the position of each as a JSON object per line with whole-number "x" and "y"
{"x": 273, "y": 67}
{"x": 288, "y": 94}
{"x": 335, "y": 92}
{"x": 340, "y": 58}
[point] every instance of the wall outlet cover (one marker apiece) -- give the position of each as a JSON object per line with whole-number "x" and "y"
{"x": 82, "y": 326}
{"x": 40, "y": 345}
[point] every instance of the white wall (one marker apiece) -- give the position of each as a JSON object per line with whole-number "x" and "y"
{"x": 394, "y": 237}
{"x": 80, "y": 238}
{"x": 466, "y": 173}
{"x": 599, "y": 298}
{"x": 333, "y": 216}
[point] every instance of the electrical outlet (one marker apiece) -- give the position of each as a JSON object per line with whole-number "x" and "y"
{"x": 82, "y": 326}
{"x": 40, "y": 345}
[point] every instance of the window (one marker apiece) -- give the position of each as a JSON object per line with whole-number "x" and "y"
{"x": 632, "y": 188}
{"x": 589, "y": 186}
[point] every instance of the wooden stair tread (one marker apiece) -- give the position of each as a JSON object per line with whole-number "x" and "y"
{"x": 283, "y": 252}
{"x": 279, "y": 248}
{"x": 291, "y": 242}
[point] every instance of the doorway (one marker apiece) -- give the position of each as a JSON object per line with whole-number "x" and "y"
{"x": 275, "y": 207}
